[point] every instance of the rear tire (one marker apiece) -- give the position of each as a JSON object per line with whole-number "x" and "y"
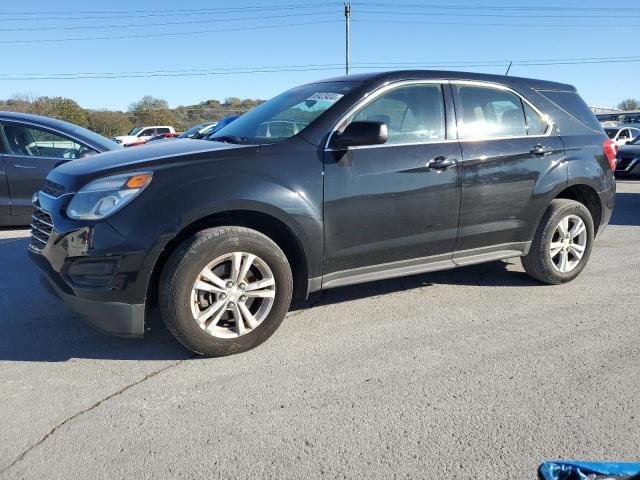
{"x": 558, "y": 252}
{"x": 211, "y": 304}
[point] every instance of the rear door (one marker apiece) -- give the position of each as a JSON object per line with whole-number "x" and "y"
{"x": 32, "y": 152}
{"x": 511, "y": 159}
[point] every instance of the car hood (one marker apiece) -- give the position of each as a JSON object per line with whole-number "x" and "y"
{"x": 149, "y": 156}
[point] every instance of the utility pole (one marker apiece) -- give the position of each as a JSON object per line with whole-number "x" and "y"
{"x": 347, "y": 15}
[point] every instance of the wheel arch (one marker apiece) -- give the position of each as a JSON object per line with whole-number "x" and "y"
{"x": 588, "y": 196}
{"x": 285, "y": 235}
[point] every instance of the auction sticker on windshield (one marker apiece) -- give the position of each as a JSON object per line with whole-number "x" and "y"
{"x": 327, "y": 97}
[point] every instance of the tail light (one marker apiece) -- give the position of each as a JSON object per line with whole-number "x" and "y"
{"x": 610, "y": 150}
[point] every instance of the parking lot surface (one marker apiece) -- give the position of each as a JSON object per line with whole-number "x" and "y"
{"x": 478, "y": 372}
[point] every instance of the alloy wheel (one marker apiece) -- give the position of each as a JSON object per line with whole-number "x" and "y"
{"x": 568, "y": 243}
{"x": 233, "y": 295}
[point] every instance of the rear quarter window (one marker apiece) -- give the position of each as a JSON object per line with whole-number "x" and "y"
{"x": 573, "y": 104}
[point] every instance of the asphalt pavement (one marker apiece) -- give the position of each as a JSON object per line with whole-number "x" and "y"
{"x": 477, "y": 372}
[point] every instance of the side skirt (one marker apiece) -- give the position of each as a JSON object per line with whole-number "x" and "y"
{"x": 419, "y": 265}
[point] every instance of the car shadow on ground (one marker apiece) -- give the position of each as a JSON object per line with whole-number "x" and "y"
{"x": 34, "y": 327}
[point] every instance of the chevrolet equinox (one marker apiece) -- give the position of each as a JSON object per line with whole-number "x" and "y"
{"x": 332, "y": 183}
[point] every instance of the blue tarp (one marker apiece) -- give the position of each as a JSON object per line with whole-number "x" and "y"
{"x": 562, "y": 470}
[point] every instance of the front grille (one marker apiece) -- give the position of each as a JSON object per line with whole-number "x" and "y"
{"x": 52, "y": 189}
{"x": 625, "y": 163}
{"x": 41, "y": 228}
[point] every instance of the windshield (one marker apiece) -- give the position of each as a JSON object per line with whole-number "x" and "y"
{"x": 193, "y": 130}
{"x": 612, "y": 132}
{"x": 287, "y": 114}
{"x": 135, "y": 131}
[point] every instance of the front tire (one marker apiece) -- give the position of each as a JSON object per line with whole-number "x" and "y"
{"x": 225, "y": 290}
{"x": 562, "y": 245}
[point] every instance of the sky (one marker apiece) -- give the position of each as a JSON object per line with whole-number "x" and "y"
{"x": 193, "y": 50}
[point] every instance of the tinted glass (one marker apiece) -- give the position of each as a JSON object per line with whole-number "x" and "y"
{"x": 573, "y": 104}
{"x": 287, "y": 114}
{"x": 535, "y": 123}
{"x": 489, "y": 113}
{"x": 162, "y": 130}
{"x": 623, "y": 133}
{"x": 611, "y": 132}
{"x": 147, "y": 132}
{"x": 413, "y": 114}
{"x": 34, "y": 142}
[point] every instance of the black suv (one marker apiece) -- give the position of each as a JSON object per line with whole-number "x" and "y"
{"x": 332, "y": 183}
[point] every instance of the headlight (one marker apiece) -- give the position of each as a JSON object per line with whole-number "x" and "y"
{"x": 104, "y": 196}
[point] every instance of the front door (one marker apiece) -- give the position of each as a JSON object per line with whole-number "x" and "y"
{"x": 510, "y": 158}
{"x": 31, "y": 154}
{"x": 393, "y": 206}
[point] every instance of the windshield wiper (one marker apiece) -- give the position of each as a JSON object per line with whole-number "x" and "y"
{"x": 229, "y": 139}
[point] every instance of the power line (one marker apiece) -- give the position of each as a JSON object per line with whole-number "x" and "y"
{"x": 189, "y": 22}
{"x": 484, "y": 24}
{"x": 493, "y": 15}
{"x": 449, "y": 6}
{"x": 321, "y": 67}
{"x": 164, "y": 13}
{"x": 165, "y": 34}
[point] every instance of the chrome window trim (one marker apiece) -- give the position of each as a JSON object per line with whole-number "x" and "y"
{"x": 371, "y": 97}
{"x": 498, "y": 86}
{"x": 479, "y": 83}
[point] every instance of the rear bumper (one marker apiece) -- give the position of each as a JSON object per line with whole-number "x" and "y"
{"x": 111, "y": 317}
{"x": 607, "y": 201}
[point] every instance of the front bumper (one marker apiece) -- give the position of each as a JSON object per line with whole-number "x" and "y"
{"x": 93, "y": 305}
{"x": 113, "y": 318}
{"x": 95, "y": 270}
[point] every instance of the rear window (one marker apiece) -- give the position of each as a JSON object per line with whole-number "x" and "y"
{"x": 573, "y": 104}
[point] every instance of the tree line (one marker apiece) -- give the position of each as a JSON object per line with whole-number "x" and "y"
{"x": 149, "y": 111}
{"x": 146, "y": 111}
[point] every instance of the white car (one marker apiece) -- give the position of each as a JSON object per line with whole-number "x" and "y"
{"x": 142, "y": 134}
{"x": 622, "y": 135}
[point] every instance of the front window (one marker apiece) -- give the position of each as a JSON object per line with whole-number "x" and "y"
{"x": 286, "y": 115}
{"x": 412, "y": 113}
{"x": 35, "y": 142}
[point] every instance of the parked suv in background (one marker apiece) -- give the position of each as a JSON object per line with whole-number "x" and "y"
{"x": 384, "y": 175}
{"x": 142, "y": 134}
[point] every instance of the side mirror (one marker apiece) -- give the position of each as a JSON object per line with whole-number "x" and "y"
{"x": 627, "y": 142}
{"x": 361, "y": 133}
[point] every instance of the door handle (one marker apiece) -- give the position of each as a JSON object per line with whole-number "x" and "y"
{"x": 440, "y": 163}
{"x": 540, "y": 150}
{"x": 29, "y": 167}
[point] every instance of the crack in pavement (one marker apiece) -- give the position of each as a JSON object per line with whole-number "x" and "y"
{"x": 90, "y": 408}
